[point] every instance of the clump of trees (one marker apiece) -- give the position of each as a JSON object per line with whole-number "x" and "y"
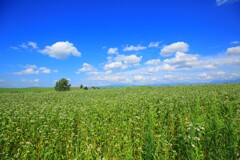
{"x": 95, "y": 87}
{"x": 86, "y": 88}
{"x": 62, "y": 85}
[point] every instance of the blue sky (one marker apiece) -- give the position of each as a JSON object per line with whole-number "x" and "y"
{"x": 119, "y": 42}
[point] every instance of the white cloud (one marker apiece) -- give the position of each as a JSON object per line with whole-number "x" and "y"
{"x": 33, "y": 45}
{"x": 28, "y": 46}
{"x": 114, "y": 65}
{"x": 221, "y": 2}
{"x": 30, "y": 66}
{"x": 86, "y": 68}
{"x": 129, "y": 60}
{"x": 233, "y": 50}
{"x": 157, "y": 69}
{"x": 2, "y": 80}
{"x": 168, "y": 76}
{"x": 23, "y": 46}
{"x": 209, "y": 66}
{"x": 61, "y": 50}
{"x": 108, "y": 72}
{"x": 44, "y": 70}
{"x": 216, "y": 75}
{"x": 132, "y": 59}
{"x": 235, "y": 42}
{"x": 134, "y": 48}
{"x": 182, "y": 60}
{"x": 112, "y": 50}
{"x": 36, "y": 80}
{"x": 28, "y": 71}
{"x": 139, "y": 78}
{"x": 174, "y": 47}
{"x": 33, "y": 69}
{"x": 153, "y": 62}
{"x": 153, "y": 44}
{"x": 205, "y": 76}
{"x": 219, "y": 73}
{"x": 93, "y": 73}
{"x": 122, "y": 61}
{"x": 235, "y": 76}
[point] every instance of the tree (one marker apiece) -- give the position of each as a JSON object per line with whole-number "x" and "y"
{"x": 62, "y": 85}
{"x": 86, "y": 88}
{"x": 81, "y": 86}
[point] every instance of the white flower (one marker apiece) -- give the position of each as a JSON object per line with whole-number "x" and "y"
{"x": 193, "y": 146}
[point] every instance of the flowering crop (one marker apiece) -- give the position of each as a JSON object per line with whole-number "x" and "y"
{"x": 177, "y": 122}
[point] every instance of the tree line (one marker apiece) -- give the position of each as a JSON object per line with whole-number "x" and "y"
{"x": 64, "y": 85}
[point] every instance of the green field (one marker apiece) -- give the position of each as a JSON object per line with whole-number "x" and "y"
{"x": 171, "y": 122}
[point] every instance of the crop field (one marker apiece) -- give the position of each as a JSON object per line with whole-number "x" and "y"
{"x": 170, "y": 122}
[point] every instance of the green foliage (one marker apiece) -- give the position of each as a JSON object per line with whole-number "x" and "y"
{"x": 62, "y": 85}
{"x": 178, "y": 122}
{"x": 85, "y": 88}
{"x": 81, "y": 86}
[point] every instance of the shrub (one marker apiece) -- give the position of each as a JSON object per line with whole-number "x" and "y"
{"x": 62, "y": 85}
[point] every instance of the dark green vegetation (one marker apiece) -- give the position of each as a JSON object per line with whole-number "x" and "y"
{"x": 62, "y": 85}
{"x": 178, "y": 122}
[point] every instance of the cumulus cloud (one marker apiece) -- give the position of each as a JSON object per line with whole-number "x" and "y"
{"x": 173, "y": 48}
{"x": 153, "y": 62}
{"x": 86, "y": 68}
{"x": 233, "y": 50}
{"x": 61, "y": 50}
{"x": 112, "y": 50}
{"x": 128, "y": 60}
{"x": 132, "y": 59}
{"x": 122, "y": 62}
{"x": 182, "y": 60}
{"x": 181, "y": 68}
{"x": 114, "y": 65}
{"x": 153, "y": 44}
{"x": 33, "y": 69}
{"x": 134, "y": 48}
{"x": 157, "y": 69}
{"x": 211, "y": 75}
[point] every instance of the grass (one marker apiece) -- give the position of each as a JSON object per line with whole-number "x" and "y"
{"x": 173, "y": 122}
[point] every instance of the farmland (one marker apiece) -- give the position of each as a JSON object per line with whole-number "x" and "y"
{"x": 169, "y": 122}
